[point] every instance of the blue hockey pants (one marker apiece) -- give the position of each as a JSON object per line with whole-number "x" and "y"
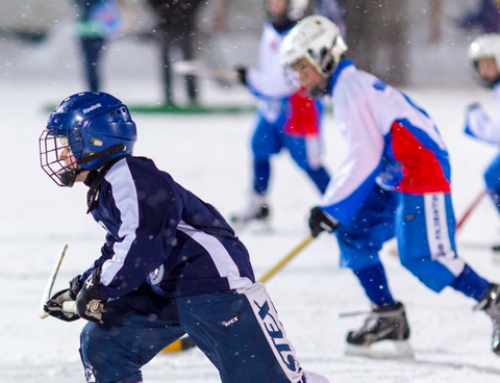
{"x": 425, "y": 229}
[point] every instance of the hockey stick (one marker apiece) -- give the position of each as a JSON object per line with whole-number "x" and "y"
{"x": 186, "y": 343}
{"x": 463, "y": 218}
{"x": 470, "y": 209}
{"x": 286, "y": 259}
{"x": 197, "y": 68}
{"x": 50, "y": 283}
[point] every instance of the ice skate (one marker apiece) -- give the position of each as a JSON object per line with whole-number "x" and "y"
{"x": 256, "y": 215}
{"x": 491, "y": 306}
{"x": 384, "y": 334}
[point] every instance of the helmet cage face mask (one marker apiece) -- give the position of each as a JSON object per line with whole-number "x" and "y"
{"x": 59, "y": 150}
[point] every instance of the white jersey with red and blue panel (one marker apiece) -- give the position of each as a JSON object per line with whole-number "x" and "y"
{"x": 390, "y": 140}
{"x": 480, "y": 125}
{"x": 268, "y": 81}
{"x": 281, "y": 101}
{"x": 161, "y": 233}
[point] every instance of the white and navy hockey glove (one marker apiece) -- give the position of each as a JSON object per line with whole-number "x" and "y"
{"x": 90, "y": 303}
{"x": 319, "y": 222}
{"x": 61, "y": 304}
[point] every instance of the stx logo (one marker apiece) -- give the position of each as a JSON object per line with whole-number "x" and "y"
{"x": 273, "y": 328}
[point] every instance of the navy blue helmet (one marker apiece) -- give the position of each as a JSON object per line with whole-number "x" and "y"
{"x": 84, "y": 132}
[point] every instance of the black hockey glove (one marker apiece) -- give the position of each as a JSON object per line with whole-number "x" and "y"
{"x": 242, "y": 72}
{"x": 90, "y": 303}
{"x": 319, "y": 222}
{"x": 56, "y": 307}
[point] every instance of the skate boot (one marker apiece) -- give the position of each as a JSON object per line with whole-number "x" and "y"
{"x": 258, "y": 210}
{"x": 491, "y": 306}
{"x": 387, "y": 323}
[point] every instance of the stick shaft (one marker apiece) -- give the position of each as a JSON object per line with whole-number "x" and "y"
{"x": 51, "y": 281}
{"x": 470, "y": 209}
{"x": 286, "y": 259}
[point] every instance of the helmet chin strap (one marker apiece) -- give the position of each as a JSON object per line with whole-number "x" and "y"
{"x": 97, "y": 156}
{"x": 322, "y": 89}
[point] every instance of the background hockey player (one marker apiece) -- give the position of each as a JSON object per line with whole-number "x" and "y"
{"x": 395, "y": 180}
{"x": 485, "y": 55}
{"x": 286, "y": 118}
{"x": 170, "y": 265}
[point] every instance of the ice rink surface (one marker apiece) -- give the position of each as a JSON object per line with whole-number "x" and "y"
{"x": 210, "y": 156}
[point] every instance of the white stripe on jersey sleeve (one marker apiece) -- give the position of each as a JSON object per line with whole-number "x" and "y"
{"x": 365, "y": 143}
{"x": 125, "y": 196}
{"x": 223, "y": 262}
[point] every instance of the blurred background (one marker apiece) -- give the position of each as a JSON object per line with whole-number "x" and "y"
{"x": 405, "y": 42}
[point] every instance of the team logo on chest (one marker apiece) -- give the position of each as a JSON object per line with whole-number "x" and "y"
{"x": 156, "y": 276}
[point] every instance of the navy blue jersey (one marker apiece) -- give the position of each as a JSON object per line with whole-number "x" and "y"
{"x": 161, "y": 233}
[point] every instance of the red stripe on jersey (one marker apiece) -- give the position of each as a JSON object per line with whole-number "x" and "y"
{"x": 303, "y": 119}
{"x": 422, "y": 172}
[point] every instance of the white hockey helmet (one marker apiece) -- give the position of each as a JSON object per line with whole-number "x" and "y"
{"x": 484, "y": 46}
{"x": 317, "y": 39}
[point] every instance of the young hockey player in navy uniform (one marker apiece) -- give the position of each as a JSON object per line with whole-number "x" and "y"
{"x": 170, "y": 264}
{"x": 485, "y": 55}
{"x": 395, "y": 180}
{"x": 287, "y": 117}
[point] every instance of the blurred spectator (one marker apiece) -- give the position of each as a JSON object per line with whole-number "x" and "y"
{"x": 176, "y": 26}
{"x": 220, "y": 22}
{"x": 435, "y": 17}
{"x": 486, "y": 17}
{"x": 97, "y": 20}
{"x": 376, "y": 37}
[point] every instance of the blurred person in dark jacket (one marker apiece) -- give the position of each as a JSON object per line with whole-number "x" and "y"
{"x": 97, "y": 20}
{"x": 486, "y": 17}
{"x": 176, "y": 26}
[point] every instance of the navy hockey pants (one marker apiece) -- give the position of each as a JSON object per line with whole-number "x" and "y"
{"x": 425, "y": 229}
{"x": 238, "y": 331}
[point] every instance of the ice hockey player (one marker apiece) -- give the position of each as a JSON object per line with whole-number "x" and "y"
{"x": 170, "y": 264}
{"x": 286, "y": 118}
{"x": 484, "y": 53}
{"x": 395, "y": 180}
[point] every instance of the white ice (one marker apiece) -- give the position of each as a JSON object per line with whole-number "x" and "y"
{"x": 210, "y": 155}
